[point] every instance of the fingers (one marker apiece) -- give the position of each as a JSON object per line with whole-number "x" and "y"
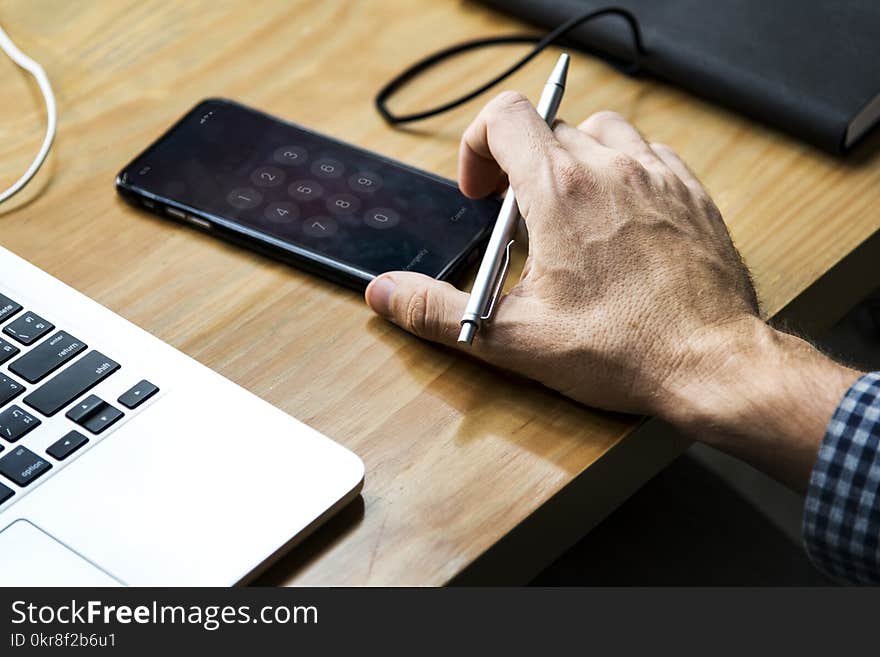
{"x": 612, "y": 130}
{"x": 432, "y": 310}
{"x": 677, "y": 165}
{"x": 577, "y": 142}
{"x": 507, "y": 137}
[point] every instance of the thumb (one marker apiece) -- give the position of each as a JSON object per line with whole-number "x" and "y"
{"x": 424, "y": 306}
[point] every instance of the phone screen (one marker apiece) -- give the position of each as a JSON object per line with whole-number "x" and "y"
{"x": 244, "y": 169}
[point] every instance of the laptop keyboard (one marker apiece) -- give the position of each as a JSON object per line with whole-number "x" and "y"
{"x": 33, "y": 349}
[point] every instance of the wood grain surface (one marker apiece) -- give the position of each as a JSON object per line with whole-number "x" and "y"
{"x": 457, "y": 455}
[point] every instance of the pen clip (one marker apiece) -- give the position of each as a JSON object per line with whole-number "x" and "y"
{"x": 499, "y": 285}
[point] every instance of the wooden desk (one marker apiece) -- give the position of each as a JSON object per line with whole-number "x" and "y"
{"x": 450, "y": 470}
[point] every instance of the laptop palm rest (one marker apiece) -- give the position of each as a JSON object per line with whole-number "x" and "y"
{"x": 31, "y": 557}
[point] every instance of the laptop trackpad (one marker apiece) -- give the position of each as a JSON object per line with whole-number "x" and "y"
{"x": 31, "y": 557}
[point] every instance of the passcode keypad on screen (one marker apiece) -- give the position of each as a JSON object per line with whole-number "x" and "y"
{"x": 307, "y": 203}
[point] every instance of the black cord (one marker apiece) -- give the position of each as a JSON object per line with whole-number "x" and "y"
{"x": 540, "y": 44}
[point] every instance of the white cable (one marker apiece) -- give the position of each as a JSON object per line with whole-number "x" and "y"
{"x": 39, "y": 74}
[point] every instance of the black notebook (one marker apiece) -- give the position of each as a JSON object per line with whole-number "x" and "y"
{"x": 809, "y": 67}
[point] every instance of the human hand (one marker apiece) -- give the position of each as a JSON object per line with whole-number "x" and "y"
{"x": 631, "y": 281}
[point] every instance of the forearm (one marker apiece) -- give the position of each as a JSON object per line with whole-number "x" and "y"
{"x": 761, "y": 395}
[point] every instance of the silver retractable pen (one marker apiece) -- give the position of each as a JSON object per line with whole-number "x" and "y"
{"x": 496, "y": 260}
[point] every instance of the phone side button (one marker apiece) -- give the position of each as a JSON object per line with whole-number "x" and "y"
{"x": 198, "y": 221}
{"x": 174, "y": 212}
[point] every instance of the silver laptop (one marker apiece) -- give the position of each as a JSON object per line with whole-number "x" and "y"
{"x": 124, "y": 462}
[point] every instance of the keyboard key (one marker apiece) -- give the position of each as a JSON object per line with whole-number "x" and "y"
{"x": 94, "y": 414}
{"x": 85, "y": 408}
{"x": 47, "y": 357}
{"x": 138, "y": 394}
{"x": 61, "y": 449}
{"x": 28, "y": 328}
{"x": 8, "y": 308}
{"x": 22, "y": 466}
{"x": 5, "y": 493}
{"x": 9, "y": 389}
{"x": 77, "y": 379}
{"x": 7, "y": 350}
{"x": 102, "y": 419}
{"x": 15, "y": 422}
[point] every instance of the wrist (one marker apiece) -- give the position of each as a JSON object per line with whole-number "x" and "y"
{"x": 757, "y": 393}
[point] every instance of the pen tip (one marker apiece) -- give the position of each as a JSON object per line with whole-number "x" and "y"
{"x": 560, "y": 72}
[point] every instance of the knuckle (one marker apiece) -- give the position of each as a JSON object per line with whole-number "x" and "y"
{"x": 506, "y": 101}
{"x": 659, "y": 147}
{"x": 705, "y": 202}
{"x": 628, "y": 169}
{"x": 572, "y": 176}
{"x": 608, "y": 115}
{"x": 669, "y": 182}
{"x": 622, "y": 162}
{"x": 416, "y": 313}
{"x": 672, "y": 184}
{"x": 597, "y": 119}
{"x": 425, "y": 315}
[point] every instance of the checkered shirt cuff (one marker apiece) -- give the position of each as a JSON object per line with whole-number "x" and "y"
{"x": 841, "y": 524}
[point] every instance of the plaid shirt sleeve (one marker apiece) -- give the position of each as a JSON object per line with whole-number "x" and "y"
{"x": 841, "y": 523}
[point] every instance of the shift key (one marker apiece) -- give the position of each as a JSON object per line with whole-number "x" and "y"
{"x": 83, "y": 375}
{"x": 47, "y": 357}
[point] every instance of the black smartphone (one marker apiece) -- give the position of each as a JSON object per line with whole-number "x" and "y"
{"x": 325, "y": 206}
